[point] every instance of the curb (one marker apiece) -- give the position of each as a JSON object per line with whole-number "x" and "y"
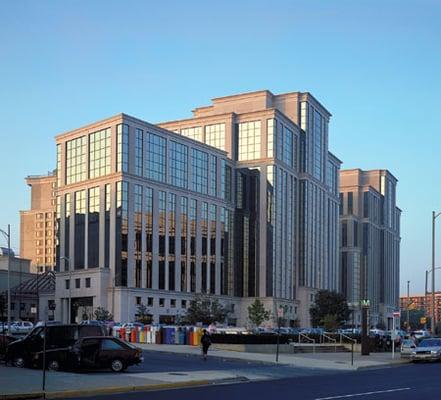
{"x": 119, "y": 389}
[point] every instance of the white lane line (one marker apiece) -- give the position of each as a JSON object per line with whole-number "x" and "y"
{"x": 345, "y": 396}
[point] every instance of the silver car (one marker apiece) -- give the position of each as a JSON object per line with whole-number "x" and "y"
{"x": 427, "y": 350}
{"x": 407, "y": 346}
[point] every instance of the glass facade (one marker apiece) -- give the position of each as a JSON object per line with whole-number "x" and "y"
{"x": 199, "y": 167}
{"x": 58, "y": 165}
{"x": 193, "y": 133}
{"x": 138, "y": 235}
{"x": 121, "y": 233}
{"x": 193, "y": 222}
{"x": 184, "y": 241}
{"x": 162, "y": 203}
{"x": 178, "y": 156}
{"x": 156, "y": 157}
{"x": 171, "y": 241}
{"x": 122, "y": 148}
{"x": 99, "y": 153}
{"x": 249, "y": 141}
{"x": 226, "y": 182}
{"x": 80, "y": 229}
{"x": 67, "y": 221}
{"x": 76, "y": 160}
{"x": 213, "y": 175}
{"x": 139, "y": 152}
{"x": 215, "y": 136}
{"x": 149, "y": 236}
{"x": 270, "y": 136}
{"x": 107, "y": 205}
{"x": 93, "y": 232}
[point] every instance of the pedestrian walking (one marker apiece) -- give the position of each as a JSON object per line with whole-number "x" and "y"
{"x": 205, "y": 343}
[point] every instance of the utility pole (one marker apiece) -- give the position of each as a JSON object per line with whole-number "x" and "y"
{"x": 434, "y": 217}
{"x": 408, "y": 304}
{"x": 8, "y": 236}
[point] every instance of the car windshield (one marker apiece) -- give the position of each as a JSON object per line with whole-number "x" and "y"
{"x": 430, "y": 343}
{"x": 408, "y": 342}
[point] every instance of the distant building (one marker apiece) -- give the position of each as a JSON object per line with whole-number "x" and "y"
{"x": 370, "y": 242}
{"x": 37, "y": 225}
{"x": 422, "y": 302}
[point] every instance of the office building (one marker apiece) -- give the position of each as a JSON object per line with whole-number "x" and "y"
{"x": 370, "y": 242}
{"x": 37, "y": 225}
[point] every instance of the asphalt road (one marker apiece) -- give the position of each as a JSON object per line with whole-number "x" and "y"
{"x": 410, "y": 382}
{"x": 155, "y": 361}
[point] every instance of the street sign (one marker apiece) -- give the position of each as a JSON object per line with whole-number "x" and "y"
{"x": 396, "y": 314}
{"x": 33, "y": 310}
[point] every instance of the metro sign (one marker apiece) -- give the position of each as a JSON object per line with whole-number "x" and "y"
{"x": 396, "y": 314}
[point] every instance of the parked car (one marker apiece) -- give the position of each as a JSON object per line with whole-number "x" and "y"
{"x": 377, "y": 332}
{"x": 57, "y": 337}
{"x": 421, "y": 334}
{"x": 427, "y": 350}
{"x": 92, "y": 353}
{"x": 407, "y": 346}
{"x": 5, "y": 340}
{"x": 21, "y": 327}
{"x": 132, "y": 325}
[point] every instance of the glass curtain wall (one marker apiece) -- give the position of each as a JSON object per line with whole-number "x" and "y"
{"x": 162, "y": 234}
{"x": 204, "y": 231}
{"x": 93, "y": 233}
{"x": 184, "y": 227}
{"x": 212, "y": 280}
{"x": 67, "y": 214}
{"x": 107, "y": 226}
{"x": 80, "y": 229}
{"x": 149, "y": 235}
{"x": 171, "y": 241}
{"x": 122, "y": 148}
{"x": 121, "y": 231}
{"x": 138, "y": 236}
{"x": 193, "y": 208}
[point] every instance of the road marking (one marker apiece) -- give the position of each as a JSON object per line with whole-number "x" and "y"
{"x": 345, "y": 396}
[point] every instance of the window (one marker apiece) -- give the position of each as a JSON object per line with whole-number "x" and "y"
{"x": 139, "y": 152}
{"x": 199, "y": 162}
{"x": 183, "y": 303}
{"x": 366, "y": 204}
{"x": 150, "y": 301}
{"x": 249, "y": 141}
{"x": 215, "y": 135}
{"x": 271, "y": 133}
{"x": 122, "y": 148}
{"x": 22, "y": 306}
{"x": 77, "y": 283}
{"x": 99, "y": 153}
{"x": 193, "y": 133}
{"x": 213, "y": 175}
{"x": 138, "y": 300}
{"x": 161, "y": 302}
{"x": 156, "y": 164}
{"x": 173, "y": 303}
{"x": 58, "y": 165}
{"x": 67, "y": 284}
{"x": 88, "y": 282}
{"x": 76, "y": 160}
{"x": 344, "y": 233}
{"x": 225, "y": 181}
{"x": 350, "y": 203}
{"x": 109, "y": 344}
{"x": 178, "y": 164}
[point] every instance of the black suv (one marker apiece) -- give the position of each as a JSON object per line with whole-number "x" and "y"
{"x": 92, "y": 353}
{"x": 20, "y": 352}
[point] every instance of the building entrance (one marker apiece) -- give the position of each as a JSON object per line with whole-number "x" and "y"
{"x": 81, "y": 309}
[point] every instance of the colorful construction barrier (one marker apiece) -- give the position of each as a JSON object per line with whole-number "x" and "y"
{"x": 150, "y": 334}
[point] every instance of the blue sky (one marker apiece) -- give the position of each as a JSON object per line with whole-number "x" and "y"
{"x": 374, "y": 64}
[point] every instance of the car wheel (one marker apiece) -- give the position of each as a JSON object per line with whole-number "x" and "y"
{"x": 18, "y": 362}
{"x": 117, "y": 365}
{"x": 53, "y": 365}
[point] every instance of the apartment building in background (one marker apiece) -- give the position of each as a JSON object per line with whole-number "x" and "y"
{"x": 422, "y": 302}
{"x": 37, "y": 225}
{"x": 370, "y": 242}
{"x": 240, "y": 201}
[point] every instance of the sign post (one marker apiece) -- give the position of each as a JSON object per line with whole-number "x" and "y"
{"x": 396, "y": 314}
{"x": 365, "y": 304}
{"x": 279, "y": 320}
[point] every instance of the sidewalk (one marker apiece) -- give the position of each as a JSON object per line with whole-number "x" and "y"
{"x": 333, "y": 361}
{"x": 23, "y": 383}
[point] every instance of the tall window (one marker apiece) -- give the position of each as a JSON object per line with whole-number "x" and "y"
{"x": 271, "y": 136}
{"x": 107, "y": 226}
{"x": 193, "y": 133}
{"x": 76, "y": 160}
{"x": 149, "y": 234}
{"x": 193, "y": 220}
{"x": 213, "y": 175}
{"x": 212, "y": 254}
{"x": 80, "y": 215}
{"x": 99, "y": 153}
{"x": 204, "y": 226}
{"x": 58, "y": 165}
{"x": 156, "y": 165}
{"x": 199, "y": 163}
{"x": 122, "y": 148}
{"x": 215, "y": 135}
{"x": 249, "y": 140}
{"x": 138, "y": 235}
{"x": 225, "y": 181}
{"x": 184, "y": 225}
{"x": 350, "y": 203}
{"x": 162, "y": 234}
{"x": 178, "y": 156}
{"x": 122, "y": 228}
{"x": 318, "y": 135}
{"x": 139, "y": 152}
{"x": 67, "y": 219}
{"x": 171, "y": 240}
{"x": 93, "y": 234}
{"x": 288, "y": 154}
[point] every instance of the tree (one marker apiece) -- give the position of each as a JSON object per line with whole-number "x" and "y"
{"x": 205, "y": 309}
{"x": 101, "y": 314}
{"x": 414, "y": 319}
{"x": 329, "y": 303}
{"x": 329, "y": 322}
{"x": 143, "y": 315}
{"x": 257, "y": 313}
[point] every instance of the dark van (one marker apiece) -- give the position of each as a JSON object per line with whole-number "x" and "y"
{"x": 20, "y": 352}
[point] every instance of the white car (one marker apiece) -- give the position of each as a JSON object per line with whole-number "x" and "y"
{"x": 421, "y": 334}
{"x": 21, "y": 327}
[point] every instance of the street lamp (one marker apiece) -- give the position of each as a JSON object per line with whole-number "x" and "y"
{"x": 434, "y": 217}
{"x": 426, "y": 292}
{"x": 70, "y": 287}
{"x": 8, "y": 236}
